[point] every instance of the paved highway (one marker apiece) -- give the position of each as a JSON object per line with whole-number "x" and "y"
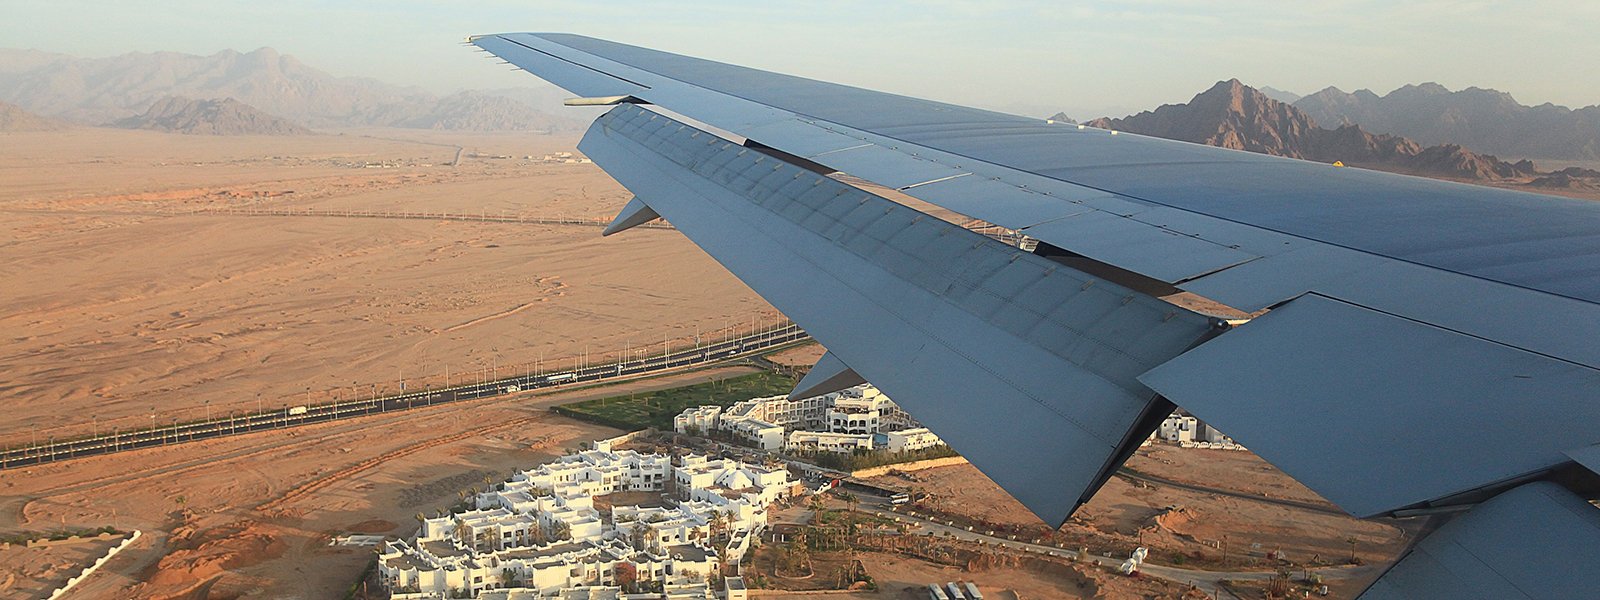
{"x": 160, "y": 434}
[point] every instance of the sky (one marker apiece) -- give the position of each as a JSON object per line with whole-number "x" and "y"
{"x": 1088, "y": 59}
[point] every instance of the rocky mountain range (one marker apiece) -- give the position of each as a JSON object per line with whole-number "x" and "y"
{"x": 1484, "y": 120}
{"x": 104, "y": 90}
{"x": 176, "y": 114}
{"x": 14, "y": 118}
{"x": 1280, "y": 95}
{"x": 1234, "y": 115}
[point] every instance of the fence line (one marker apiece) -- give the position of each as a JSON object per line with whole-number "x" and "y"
{"x": 484, "y": 217}
{"x": 295, "y": 416}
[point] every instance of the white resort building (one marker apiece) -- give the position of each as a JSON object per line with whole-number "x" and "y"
{"x": 858, "y": 418}
{"x": 540, "y": 534}
{"x": 1189, "y": 432}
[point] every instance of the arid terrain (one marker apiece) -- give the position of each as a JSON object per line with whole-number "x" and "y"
{"x": 253, "y": 515}
{"x": 1170, "y": 521}
{"x": 133, "y": 292}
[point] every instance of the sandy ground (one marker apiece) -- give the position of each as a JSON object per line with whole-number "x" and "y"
{"x": 799, "y": 356}
{"x": 122, "y": 303}
{"x": 1170, "y": 521}
{"x": 903, "y": 578}
{"x": 27, "y": 573}
{"x": 213, "y": 509}
{"x": 1225, "y": 469}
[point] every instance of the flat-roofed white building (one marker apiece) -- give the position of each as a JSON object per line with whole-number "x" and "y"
{"x": 701, "y": 419}
{"x": 911, "y": 439}
{"x": 765, "y": 422}
{"x": 761, "y": 434}
{"x": 823, "y": 441}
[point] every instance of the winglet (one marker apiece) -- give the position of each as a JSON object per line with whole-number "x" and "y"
{"x": 829, "y": 375}
{"x": 634, "y": 214}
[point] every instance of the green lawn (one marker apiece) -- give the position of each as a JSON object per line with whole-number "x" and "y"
{"x": 656, "y": 409}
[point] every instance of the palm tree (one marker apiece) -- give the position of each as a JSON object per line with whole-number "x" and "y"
{"x": 561, "y": 530}
{"x": 850, "y": 499}
{"x": 640, "y": 530}
{"x": 464, "y": 533}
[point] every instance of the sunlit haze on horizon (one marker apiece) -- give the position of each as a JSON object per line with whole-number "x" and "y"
{"x": 1088, "y": 59}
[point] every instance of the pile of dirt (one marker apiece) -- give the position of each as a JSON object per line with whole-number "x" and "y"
{"x": 1175, "y": 519}
{"x": 423, "y": 494}
{"x": 373, "y": 526}
{"x": 205, "y": 555}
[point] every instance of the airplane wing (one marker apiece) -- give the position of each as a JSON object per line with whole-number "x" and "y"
{"x": 1426, "y": 346}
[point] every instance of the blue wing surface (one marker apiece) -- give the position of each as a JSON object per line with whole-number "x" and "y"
{"x": 1424, "y": 344}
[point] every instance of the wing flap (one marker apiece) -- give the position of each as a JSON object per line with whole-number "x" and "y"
{"x": 1161, "y": 253}
{"x": 942, "y": 319}
{"x": 1378, "y": 413}
{"x": 1537, "y": 541}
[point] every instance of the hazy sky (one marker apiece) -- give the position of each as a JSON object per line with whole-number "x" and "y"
{"x": 1087, "y": 58}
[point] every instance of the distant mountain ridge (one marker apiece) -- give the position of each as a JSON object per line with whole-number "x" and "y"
{"x": 176, "y": 114}
{"x": 14, "y": 118}
{"x": 1484, "y": 120}
{"x": 98, "y": 91}
{"x": 1234, "y": 115}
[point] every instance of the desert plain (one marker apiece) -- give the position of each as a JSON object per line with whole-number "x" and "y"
{"x": 137, "y": 289}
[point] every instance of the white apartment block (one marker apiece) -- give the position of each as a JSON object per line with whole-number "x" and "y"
{"x": 702, "y": 418}
{"x": 761, "y": 434}
{"x": 911, "y": 439}
{"x": 824, "y": 441}
{"x": 1190, "y": 432}
{"x": 540, "y": 535}
{"x": 764, "y": 422}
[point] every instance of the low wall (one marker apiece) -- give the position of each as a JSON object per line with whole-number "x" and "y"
{"x": 61, "y": 591}
{"x": 911, "y": 466}
{"x": 763, "y": 593}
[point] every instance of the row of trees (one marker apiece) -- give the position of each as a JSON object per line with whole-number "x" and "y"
{"x": 866, "y": 459}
